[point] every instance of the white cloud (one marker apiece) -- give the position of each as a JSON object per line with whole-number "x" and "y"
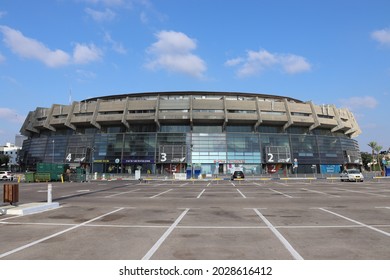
{"x": 106, "y": 15}
{"x": 33, "y": 49}
{"x": 234, "y": 61}
{"x": 116, "y": 46}
{"x": 2, "y": 58}
{"x": 107, "y": 2}
{"x": 294, "y": 64}
{"x": 173, "y": 52}
{"x": 382, "y": 36}
{"x": 357, "y": 102}
{"x": 143, "y": 17}
{"x": 84, "y": 54}
{"x": 11, "y": 115}
{"x": 258, "y": 61}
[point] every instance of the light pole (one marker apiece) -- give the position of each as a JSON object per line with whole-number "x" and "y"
{"x": 192, "y": 166}
{"x": 52, "y": 158}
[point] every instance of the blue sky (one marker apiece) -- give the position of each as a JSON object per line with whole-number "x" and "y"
{"x": 330, "y": 52}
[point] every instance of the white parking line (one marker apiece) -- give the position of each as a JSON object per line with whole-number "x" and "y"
{"x": 283, "y": 184}
{"x": 157, "y": 245}
{"x": 116, "y": 194}
{"x": 241, "y": 193}
{"x": 319, "y": 192}
{"x": 160, "y": 193}
{"x": 201, "y": 193}
{"x": 55, "y": 234}
{"x": 286, "y": 244}
{"x": 374, "y": 194}
{"x": 286, "y": 195}
{"x": 356, "y": 222}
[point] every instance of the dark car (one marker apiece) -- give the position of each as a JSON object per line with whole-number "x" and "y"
{"x": 238, "y": 175}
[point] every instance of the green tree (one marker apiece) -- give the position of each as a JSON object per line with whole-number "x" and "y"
{"x": 366, "y": 158}
{"x": 372, "y": 145}
{"x": 4, "y": 160}
{"x": 377, "y": 150}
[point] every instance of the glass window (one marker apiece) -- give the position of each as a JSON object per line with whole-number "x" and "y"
{"x": 175, "y": 128}
{"x": 239, "y": 128}
{"x": 143, "y": 128}
{"x": 329, "y": 149}
{"x": 269, "y": 129}
{"x": 207, "y": 129}
{"x": 304, "y": 148}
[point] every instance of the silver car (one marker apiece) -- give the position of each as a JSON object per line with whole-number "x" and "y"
{"x": 352, "y": 175}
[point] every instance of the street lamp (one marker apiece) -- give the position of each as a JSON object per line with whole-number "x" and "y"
{"x": 192, "y": 166}
{"x": 52, "y": 158}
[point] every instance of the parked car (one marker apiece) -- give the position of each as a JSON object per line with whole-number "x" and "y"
{"x": 238, "y": 175}
{"x": 352, "y": 175}
{"x": 6, "y": 175}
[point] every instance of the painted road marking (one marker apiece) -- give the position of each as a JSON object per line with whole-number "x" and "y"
{"x": 241, "y": 193}
{"x": 281, "y": 238}
{"x": 55, "y": 234}
{"x": 201, "y": 193}
{"x": 356, "y": 222}
{"x": 374, "y": 194}
{"x": 116, "y": 194}
{"x": 319, "y": 192}
{"x": 157, "y": 245}
{"x": 286, "y": 195}
{"x": 160, "y": 193}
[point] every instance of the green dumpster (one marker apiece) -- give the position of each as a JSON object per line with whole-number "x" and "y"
{"x": 29, "y": 177}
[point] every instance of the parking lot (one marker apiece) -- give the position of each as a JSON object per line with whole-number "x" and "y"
{"x": 202, "y": 220}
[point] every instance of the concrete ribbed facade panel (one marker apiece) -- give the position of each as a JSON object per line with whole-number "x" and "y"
{"x": 241, "y": 110}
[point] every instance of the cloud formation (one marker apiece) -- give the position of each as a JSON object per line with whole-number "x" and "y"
{"x": 358, "y": 102}
{"x": 173, "y": 52}
{"x": 116, "y": 46}
{"x": 84, "y": 53}
{"x": 2, "y": 58}
{"x": 107, "y": 15}
{"x": 11, "y": 115}
{"x": 33, "y": 49}
{"x": 107, "y": 2}
{"x": 256, "y": 62}
{"x": 382, "y": 36}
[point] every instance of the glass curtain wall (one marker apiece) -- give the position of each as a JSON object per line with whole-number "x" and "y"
{"x": 205, "y": 152}
{"x": 275, "y": 142}
{"x": 305, "y": 151}
{"x": 208, "y": 152}
{"x": 107, "y": 153}
{"x": 171, "y": 153}
{"x": 139, "y": 152}
{"x": 243, "y": 153}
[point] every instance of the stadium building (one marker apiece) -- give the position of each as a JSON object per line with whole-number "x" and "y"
{"x": 203, "y": 132}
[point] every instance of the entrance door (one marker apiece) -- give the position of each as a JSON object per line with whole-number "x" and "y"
{"x": 220, "y": 168}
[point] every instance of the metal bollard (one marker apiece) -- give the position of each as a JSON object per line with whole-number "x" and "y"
{"x": 49, "y": 193}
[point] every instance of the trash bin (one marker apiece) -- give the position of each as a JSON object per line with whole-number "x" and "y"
{"x": 11, "y": 193}
{"x": 29, "y": 177}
